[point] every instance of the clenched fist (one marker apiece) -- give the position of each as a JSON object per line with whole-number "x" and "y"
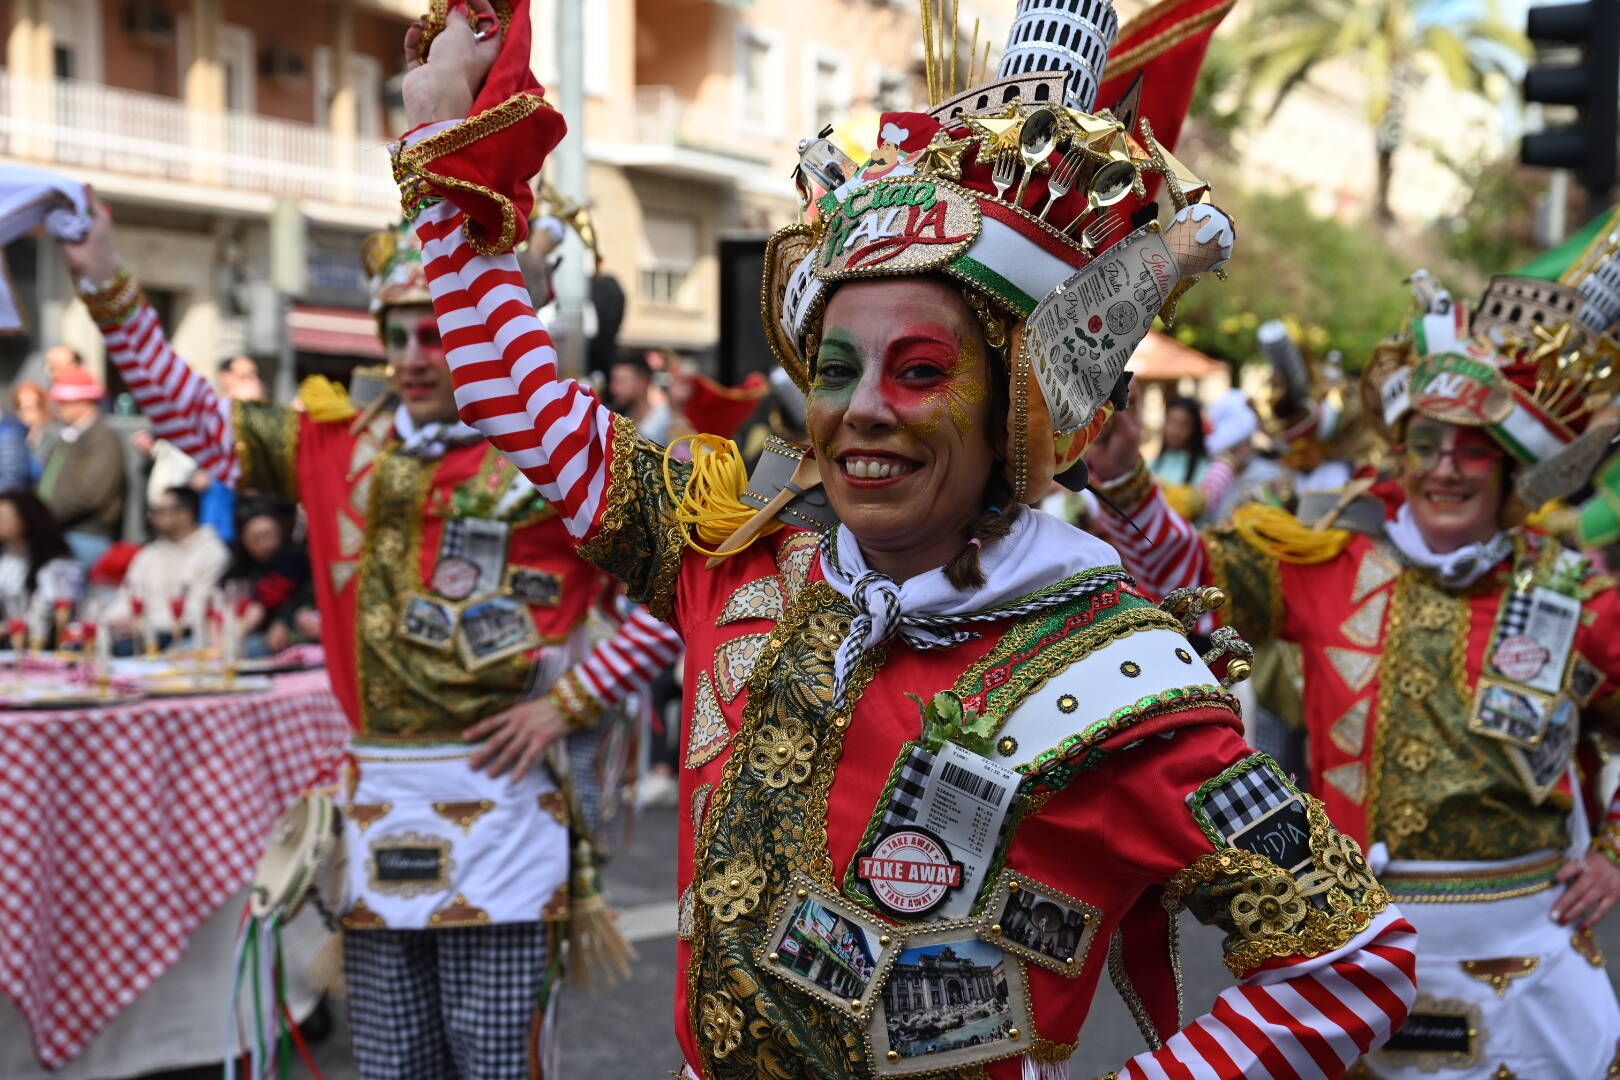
{"x": 445, "y": 86}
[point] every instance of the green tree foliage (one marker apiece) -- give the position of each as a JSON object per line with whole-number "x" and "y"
{"x": 1492, "y": 231}
{"x": 1342, "y": 284}
{"x": 1394, "y": 44}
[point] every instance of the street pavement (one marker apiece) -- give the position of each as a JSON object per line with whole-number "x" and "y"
{"x": 628, "y": 1034}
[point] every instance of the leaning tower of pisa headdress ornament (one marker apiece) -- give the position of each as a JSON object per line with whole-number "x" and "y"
{"x": 1034, "y": 201}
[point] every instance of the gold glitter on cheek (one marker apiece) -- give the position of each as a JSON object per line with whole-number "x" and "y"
{"x": 963, "y": 388}
{"x": 966, "y": 388}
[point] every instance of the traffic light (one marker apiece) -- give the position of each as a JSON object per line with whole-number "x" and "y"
{"x": 1591, "y": 85}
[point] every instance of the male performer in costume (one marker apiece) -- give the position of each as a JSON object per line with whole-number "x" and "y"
{"x": 454, "y": 612}
{"x": 1451, "y": 661}
{"x": 943, "y": 761}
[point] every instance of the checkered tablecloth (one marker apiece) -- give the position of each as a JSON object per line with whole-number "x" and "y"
{"x": 122, "y": 830}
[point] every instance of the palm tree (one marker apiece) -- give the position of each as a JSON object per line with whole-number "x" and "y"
{"x": 1396, "y": 43}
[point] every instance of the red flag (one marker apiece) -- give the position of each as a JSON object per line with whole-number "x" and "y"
{"x": 1165, "y": 44}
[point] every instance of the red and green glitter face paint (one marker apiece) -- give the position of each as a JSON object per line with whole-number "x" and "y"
{"x": 924, "y": 376}
{"x": 398, "y": 335}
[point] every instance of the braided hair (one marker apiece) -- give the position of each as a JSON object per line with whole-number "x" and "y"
{"x": 964, "y": 570}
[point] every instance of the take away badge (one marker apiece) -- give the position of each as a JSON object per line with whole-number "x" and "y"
{"x": 910, "y": 871}
{"x": 906, "y": 226}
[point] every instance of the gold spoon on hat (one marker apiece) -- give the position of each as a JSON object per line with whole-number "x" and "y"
{"x": 1110, "y": 184}
{"x": 1037, "y": 138}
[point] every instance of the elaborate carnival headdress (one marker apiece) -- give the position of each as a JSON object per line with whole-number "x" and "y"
{"x": 392, "y": 261}
{"x": 1033, "y": 201}
{"x": 1313, "y": 411}
{"x": 1530, "y": 366}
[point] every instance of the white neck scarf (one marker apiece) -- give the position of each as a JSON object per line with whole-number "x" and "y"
{"x": 931, "y": 613}
{"x": 430, "y": 441}
{"x": 1455, "y": 569}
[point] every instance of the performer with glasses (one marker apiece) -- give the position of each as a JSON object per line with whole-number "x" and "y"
{"x": 1456, "y": 663}
{"x": 903, "y": 722}
{"x": 454, "y": 614}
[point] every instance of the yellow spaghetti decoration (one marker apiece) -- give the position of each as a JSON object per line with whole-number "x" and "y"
{"x": 325, "y": 400}
{"x": 711, "y": 506}
{"x": 1283, "y": 536}
{"x": 1185, "y": 499}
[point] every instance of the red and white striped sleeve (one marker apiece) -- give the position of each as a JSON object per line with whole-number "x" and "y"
{"x": 1167, "y": 553}
{"x": 639, "y": 651}
{"x": 643, "y": 649}
{"x": 505, "y": 370}
{"x": 1308, "y": 1018}
{"x": 1217, "y": 481}
{"x": 183, "y": 407}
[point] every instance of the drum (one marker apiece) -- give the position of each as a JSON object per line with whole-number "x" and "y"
{"x": 303, "y": 858}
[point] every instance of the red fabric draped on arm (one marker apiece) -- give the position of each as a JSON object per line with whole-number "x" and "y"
{"x": 483, "y": 164}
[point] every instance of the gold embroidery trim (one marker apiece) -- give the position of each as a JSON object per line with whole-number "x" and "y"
{"x": 573, "y": 698}
{"x": 1225, "y": 549}
{"x": 783, "y": 754}
{"x": 1499, "y": 971}
{"x": 735, "y": 890}
{"x": 1062, "y": 655}
{"x": 415, "y": 159}
{"x": 1126, "y": 989}
{"x": 819, "y": 602}
{"x": 1149, "y": 50}
{"x": 1046, "y": 1052}
{"x": 621, "y": 507}
{"x": 1269, "y": 910}
{"x": 283, "y": 456}
{"x": 464, "y": 814}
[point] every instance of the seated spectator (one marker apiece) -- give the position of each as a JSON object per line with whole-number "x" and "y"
{"x": 169, "y": 466}
{"x": 83, "y": 481}
{"x": 36, "y": 567}
{"x": 16, "y": 464}
{"x": 184, "y": 556}
{"x": 28, "y": 401}
{"x": 275, "y": 572}
{"x": 60, "y": 359}
{"x": 239, "y": 379}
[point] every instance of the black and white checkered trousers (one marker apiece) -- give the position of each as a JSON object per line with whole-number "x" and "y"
{"x": 462, "y": 1002}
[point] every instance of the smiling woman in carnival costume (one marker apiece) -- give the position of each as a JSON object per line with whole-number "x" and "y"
{"x": 1453, "y": 659}
{"x": 943, "y": 763}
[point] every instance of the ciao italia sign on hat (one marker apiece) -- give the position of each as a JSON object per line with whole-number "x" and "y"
{"x": 898, "y": 226}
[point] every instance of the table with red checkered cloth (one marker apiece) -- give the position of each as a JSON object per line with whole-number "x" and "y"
{"x": 123, "y": 829}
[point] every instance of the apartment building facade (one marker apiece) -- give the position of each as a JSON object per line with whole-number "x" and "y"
{"x": 203, "y": 121}
{"x": 695, "y": 111}
{"x": 195, "y": 120}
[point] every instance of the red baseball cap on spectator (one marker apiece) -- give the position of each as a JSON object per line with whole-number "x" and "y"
{"x": 77, "y": 384}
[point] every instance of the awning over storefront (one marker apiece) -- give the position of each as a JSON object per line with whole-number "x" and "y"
{"x": 1161, "y": 357}
{"x": 337, "y": 331}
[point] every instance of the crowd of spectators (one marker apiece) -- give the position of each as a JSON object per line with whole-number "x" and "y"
{"x": 72, "y": 481}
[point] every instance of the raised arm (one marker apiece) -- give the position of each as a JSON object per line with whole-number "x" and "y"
{"x": 466, "y": 183}
{"x": 1163, "y": 550}
{"x": 505, "y": 369}
{"x": 182, "y": 405}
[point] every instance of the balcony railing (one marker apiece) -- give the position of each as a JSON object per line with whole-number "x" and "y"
{"x": 73, "y": 124}
{"x": 664, "y": 117}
